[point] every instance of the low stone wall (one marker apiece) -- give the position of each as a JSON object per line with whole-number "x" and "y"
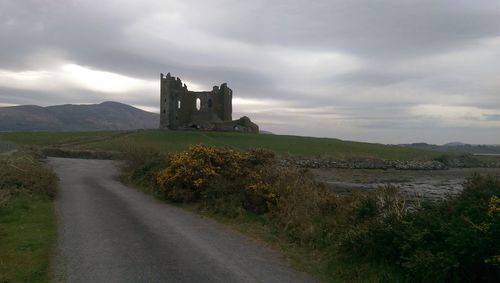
{"x": 390, "y": 164}
{"x": 471, "y": 163}
{"x": 83, "y": 154}
{"x": 366, "y": 164}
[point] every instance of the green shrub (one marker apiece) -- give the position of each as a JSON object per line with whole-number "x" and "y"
{"x": 221, "y": 197}
{"x": 459, "y": 231}
{"x": 366, "y": 221}
{"x": 21, "y": 175}
{"x": 449, "y": 241}
{"x": 304, "y": 210}
{"x": 426, "y": 266}
{"x": 142, "y": 164}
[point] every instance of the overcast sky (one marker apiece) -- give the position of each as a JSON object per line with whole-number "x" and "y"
{"x": 379, "y": 71}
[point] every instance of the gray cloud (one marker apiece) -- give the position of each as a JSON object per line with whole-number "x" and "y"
{"x": 493, "y": 117}
{"x": 359, "y": 70}
{"x": 381, "y": 28}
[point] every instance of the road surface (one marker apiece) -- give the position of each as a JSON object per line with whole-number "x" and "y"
{"x": 108, "y": 232}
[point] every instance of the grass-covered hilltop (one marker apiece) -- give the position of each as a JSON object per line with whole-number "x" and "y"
{"x": 176, "y": 141}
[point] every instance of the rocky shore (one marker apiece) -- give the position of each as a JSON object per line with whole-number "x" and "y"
{"x": 389, "y": 164}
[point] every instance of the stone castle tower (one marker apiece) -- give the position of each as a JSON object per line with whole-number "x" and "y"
{"x": 183, "y": 108}
{"x": 203, "y": 110}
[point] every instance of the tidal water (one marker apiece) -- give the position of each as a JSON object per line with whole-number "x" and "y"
{"x": 429, "y": 184}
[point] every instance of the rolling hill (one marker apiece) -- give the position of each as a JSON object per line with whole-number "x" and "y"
{"x": 69, "y": 117}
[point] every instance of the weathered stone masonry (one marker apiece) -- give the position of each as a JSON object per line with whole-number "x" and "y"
{"x": 206, "y": 110}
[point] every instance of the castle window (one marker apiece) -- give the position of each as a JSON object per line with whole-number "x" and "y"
{"x": 178, "y": 104}
{"x": 209, "y": 103}
{"x": 198, "y": 104}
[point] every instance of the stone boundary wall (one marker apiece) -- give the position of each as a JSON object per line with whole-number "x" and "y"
{"x": 385, "y": 164}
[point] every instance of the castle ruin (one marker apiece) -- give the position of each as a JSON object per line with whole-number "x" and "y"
{"x": 204, "y": 110}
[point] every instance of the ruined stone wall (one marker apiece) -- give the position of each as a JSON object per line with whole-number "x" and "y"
{"x": 179, "y": 105}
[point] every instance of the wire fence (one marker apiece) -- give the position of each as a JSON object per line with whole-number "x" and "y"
{"x": 6, "y": 146}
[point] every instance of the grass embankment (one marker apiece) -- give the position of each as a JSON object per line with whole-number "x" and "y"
{"x": 176, "y": 141}
{"x": 360, "y": 237}
{"x": 27, "y": 224}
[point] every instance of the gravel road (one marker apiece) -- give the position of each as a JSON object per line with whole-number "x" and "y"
{"x": 108, "y": 232}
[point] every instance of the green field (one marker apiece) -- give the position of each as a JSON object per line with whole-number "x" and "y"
{"x": 27, "y": 233}
{"x": 27, "y": 220}
{"x": 175, "y": 141}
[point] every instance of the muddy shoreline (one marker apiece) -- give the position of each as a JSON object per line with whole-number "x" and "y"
{"x": 425, "y": 183}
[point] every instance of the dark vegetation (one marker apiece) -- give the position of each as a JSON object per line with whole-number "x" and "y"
{"x": 374, "y": 236}
{"x": 27, "y": 227}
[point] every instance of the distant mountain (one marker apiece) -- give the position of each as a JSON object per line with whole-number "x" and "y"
{"x": 458, "y": 147}
{"x": 69, "y": 117}
{"x": 454, "y": 144}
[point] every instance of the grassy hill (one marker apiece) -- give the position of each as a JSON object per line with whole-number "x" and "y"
{"x": 175, "y": 141}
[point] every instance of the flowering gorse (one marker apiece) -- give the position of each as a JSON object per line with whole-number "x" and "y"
{"x": 191, "y": 173}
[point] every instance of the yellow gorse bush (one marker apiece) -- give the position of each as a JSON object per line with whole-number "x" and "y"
{"x": 190, "y": 173}
{"x": 260, "y": 184}
{"x": 198, "y": 165}
{"x": 494, "y": 208}
{"x": 493, "y": 215}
